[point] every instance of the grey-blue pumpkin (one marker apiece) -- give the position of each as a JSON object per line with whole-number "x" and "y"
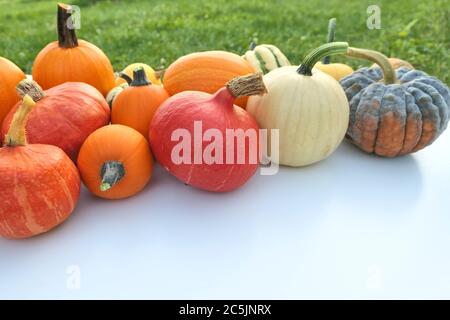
{"x": 393, "y": 113}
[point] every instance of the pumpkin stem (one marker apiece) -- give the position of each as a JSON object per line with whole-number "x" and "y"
{"x": 111, "y": 173}
{"x": 330, "y": 37}
{"x": 252, "y": 45}
{"x": 16, "y": 135}
{"x": 126, "y": 77}
{"x": 30, "y": 88}
{"x": 377, "y": 57}
{"x": 315, "y": 55}
{"x": 247, "y": 85}
{"x": 67, "y": 37}
{"x": 139, "y": 78}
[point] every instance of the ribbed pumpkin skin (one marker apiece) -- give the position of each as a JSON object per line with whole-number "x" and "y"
{"x": 135, "y": 106}
{"x": 116, "y": 143}
{"x": 265, "y": 58}
{"x": 205, "y": 71}
{"x": 10, "y": 76}
{"x": 39, "y": 189}
{"x": 65, "y": 117}
{"x": 396, "y": 119}
{"x": 311, "y": 113}
{"x": 85, "y": 63}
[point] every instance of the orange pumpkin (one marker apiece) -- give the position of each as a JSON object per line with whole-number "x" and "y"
{"x": 206, "y": 71}
{"x": 136, "y": 104}
{"x": 10, "y": 76}
{"x": 39, "y": 185}
{"x": 72, "y": 60}
{"x": 115, "y": 162}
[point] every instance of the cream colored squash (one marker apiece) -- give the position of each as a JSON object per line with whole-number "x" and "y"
{"x": 265, "y": 57}
{"x": 309, "y": 108}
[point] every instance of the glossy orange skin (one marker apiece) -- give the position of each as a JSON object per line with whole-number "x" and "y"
{"x": 135, "y": 106}
{"x": 206, "y": 71}
{"x": 116, "y": 143}
{"x": 39, "y": 189}
{"x": 85, "y": 63}
{"x": 65, "y": 117}
{"x": 10, "y": 76}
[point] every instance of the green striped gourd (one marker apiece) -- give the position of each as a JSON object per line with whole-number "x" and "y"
{"x": 265, "y": 57}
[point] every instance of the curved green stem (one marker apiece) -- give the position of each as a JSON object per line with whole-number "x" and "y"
{"x": 125, "y": 77}
{"x": 111, "y": 173}
{"x": 324, "y": 50}
{"x": 139, "y": 78}
{"x": 330, "y": 37}
{"x": 377, "y": 57}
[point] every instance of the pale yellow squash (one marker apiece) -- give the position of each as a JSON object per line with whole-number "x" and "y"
{"x": 309, "y": 108}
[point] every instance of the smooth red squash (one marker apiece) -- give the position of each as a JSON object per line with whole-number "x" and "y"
{"x": 64, "y": 116}
{"x": 203, "y": 161}
{"x": 206, "y": 71}
{"x": 39, "y": 185}
{"x": 10, "y": 76}
{"x": 115, "y": 162}
{"x": 135, "y": 105}
{"x": 72, "y": 60}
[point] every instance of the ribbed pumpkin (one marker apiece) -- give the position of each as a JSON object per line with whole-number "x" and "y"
{"x": 307, "y": 106}
{"x": 393, "y": 113}
{"x": 126, "y": 76}
{"x": 39, "y": 185}
{"x": 64, "y": 116}
{"x": 136, "y": 105}
{"x": 115, "y": 162}
{"x": 206, "y": 71}
{"x": 72, "y": 60}
{"x": 336, "y": 70}
{"x": 10, "y": 76}
{"x": 265, "y": 57}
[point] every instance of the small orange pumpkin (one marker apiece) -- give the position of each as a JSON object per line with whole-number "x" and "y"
{"x": 135, "y": 105}
{"x": 206, "y": 71}
{"x": 72, "y": 60}
{"x": 39, "y": 185}
{"x": 10, "y": 76}
{"x": 115, "y": 162}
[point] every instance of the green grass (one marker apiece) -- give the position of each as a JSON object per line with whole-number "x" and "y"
{"x": 157, "y": 32}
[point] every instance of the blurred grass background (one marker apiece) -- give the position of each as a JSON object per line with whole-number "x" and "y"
{"x": 157, "y": 32}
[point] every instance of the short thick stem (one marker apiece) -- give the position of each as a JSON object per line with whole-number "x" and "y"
{"x": 16, "y": 135}
{"x": 111, "y": 173}
{"x": 377, "y": 57}
{"x": 330, "y": 37}
{"x": 315, "y": 55}
{"x": 67, "y": 37}
{"x": 30, "y": 88}
{"x": 247, "y": 86}
{"x": 139, "y": 78}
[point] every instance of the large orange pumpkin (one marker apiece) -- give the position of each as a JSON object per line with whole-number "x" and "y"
{"x": 39, "y": 185}
{"x": 10, "y": 76}
{"x": 115, "y": 162}
{"x": 72, "y": 60}
{"x": 206, "y": 71}
{"x": 136, "y": 105}
{"x": 65, "y": 115}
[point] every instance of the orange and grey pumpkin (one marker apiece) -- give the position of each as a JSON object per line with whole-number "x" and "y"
{"x": 393, "y": 113}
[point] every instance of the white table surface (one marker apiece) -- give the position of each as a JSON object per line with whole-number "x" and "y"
{"x": 353, "y": 226}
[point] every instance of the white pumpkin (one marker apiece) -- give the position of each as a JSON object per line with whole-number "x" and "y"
{"x": 265, "y": 58}
{"x": 309, "y": 108}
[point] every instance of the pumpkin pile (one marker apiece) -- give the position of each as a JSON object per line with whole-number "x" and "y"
{"x": 210, "y": 119}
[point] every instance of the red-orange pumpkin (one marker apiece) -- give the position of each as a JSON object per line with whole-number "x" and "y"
{"x": 206, "y": 71}
{"x": 65, "y": 115}
{"x": 39, "y": 185}
{"x": 72, "y": 60}
{"x": 10, "y": 75}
